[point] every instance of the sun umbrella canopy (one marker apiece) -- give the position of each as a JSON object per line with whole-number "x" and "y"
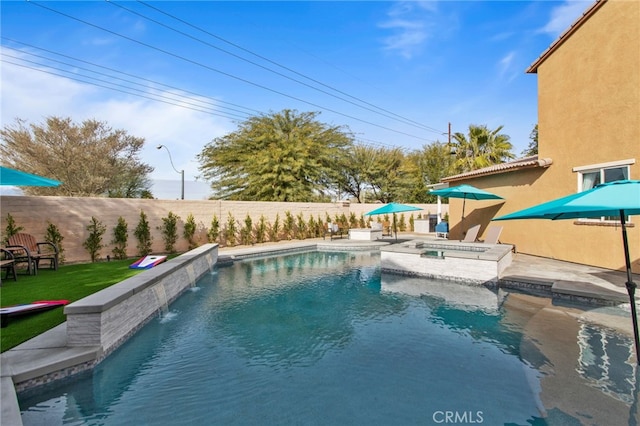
{"x": 620, "y": 198}
{"x": 392, "y": 208}
{"x": 467, "y": 192}
{"x": 606, "y": 199}
{"x": 12, "y": 177}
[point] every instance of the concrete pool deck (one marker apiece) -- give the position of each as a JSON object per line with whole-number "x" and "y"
{"x": 49, "y": 352}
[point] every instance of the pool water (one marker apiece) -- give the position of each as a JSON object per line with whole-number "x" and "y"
{"x": 326, "y": 339}
{"x": 432, "y": 253}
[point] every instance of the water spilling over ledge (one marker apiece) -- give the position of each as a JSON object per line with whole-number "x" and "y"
{"x": 107, "y": 318}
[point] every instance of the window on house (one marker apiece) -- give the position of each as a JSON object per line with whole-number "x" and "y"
{"x": 596, "y": 177}
{"x": 590, "y": 176}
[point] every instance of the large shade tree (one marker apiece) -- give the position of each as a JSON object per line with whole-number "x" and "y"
{"x": 284, "y": 156}
{"x": 388, "y": 175}
{"x": 429, "y": 166}
{"x": 90, "y": 159}
{"x": 371, "y": 174}
{"x": 482, "y": 147}
{"x": 532, "y": 148}
{"x": 436, "y": 162}
{"x": 357, "y": 166}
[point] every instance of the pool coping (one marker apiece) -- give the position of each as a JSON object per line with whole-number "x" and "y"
{"x": 48, "y": 353}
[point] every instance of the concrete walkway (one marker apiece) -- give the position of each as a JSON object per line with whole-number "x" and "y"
{"x": 589, "y": 281}
{"x": 49, "y": 352}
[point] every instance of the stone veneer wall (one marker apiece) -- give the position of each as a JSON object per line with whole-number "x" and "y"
{"x": 72, "y": 215}
{"x": 107, "y": 318}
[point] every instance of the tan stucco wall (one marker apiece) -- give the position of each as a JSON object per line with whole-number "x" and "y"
{"x": 515, "y": 190}
{"x": 589, "y": 113}
{"x": 72, "y": 215}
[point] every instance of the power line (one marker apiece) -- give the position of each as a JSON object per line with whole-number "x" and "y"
{"x": 363, "y": 141}
{"x": 221, "y": 72}
{"x": 214, "y": 100}
{"x": 162, "y": 96}
{"x": 385, "y": 113}
{"x": 115, "y": 89}
{"x": 379, "y": 144}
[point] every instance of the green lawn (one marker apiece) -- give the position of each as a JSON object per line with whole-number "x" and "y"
{"x": 69, "y": 282}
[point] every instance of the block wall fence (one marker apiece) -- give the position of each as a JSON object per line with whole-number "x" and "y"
{"x": 72, "y": 215}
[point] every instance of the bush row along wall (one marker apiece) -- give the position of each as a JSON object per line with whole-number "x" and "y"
{"x": 71, "y": 215}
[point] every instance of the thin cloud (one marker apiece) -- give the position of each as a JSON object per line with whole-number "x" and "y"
{"x": 506, "y": 35}
{"x": 100, "y": 41}
{"x": 506, "y": 67}
{"x": 33, "y": 96}
{"x": 408, "y": 37}
{"x": 410, "y": 27}
{"x": 563, "y": 16}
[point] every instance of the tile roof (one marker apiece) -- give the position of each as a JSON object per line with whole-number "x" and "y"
{"x": 511, "y": 166}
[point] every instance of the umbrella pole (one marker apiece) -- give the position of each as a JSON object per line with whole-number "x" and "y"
{"x": 395, "y": 230}
{"x": 464, "y": 200}
{"x": 631, "y": 286}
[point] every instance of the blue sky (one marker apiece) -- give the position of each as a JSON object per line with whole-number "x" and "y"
{"x": 394, "y": 73}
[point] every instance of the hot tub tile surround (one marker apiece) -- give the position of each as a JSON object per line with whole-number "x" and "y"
{"x": 471, "y": 263}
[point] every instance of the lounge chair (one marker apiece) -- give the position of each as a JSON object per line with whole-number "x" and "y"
{"x": 7, "y": 262}
{"x": 26, "y": 249}
{"x": 332, "y": 229}
{"x": 472, "y": 234}
{"x": 442, "y": 230}
{"x": 492, "y": 235}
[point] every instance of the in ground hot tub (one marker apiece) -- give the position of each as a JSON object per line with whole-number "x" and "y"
{"x": 473, "y": 263}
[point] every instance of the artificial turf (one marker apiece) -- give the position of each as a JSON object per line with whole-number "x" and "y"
{"x": 69, "y": 282}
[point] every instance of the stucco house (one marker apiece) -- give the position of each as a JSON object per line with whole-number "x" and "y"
{"x": 588, "y": 133}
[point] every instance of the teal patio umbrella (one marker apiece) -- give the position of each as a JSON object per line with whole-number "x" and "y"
{"x": 620, "y": 198}
{"x": 393, "y": 208}
{"x": 12, "y": 177}
{"x": 466, "y": 192}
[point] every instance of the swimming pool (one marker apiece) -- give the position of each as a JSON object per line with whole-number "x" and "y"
{"x": 326, "y": 338}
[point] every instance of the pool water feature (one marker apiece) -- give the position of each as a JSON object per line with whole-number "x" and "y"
{"x": 161, "y": 298}
{"x": 327, "y": 338}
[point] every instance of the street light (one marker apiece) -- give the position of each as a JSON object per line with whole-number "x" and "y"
{"x": 174, "y": 168}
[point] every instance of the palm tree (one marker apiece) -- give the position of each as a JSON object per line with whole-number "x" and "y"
{"x": 482, "y": 148}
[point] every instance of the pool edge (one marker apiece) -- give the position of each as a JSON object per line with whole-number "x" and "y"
{"x": 10, "y": 408}
{"x": 49, "y": 356}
